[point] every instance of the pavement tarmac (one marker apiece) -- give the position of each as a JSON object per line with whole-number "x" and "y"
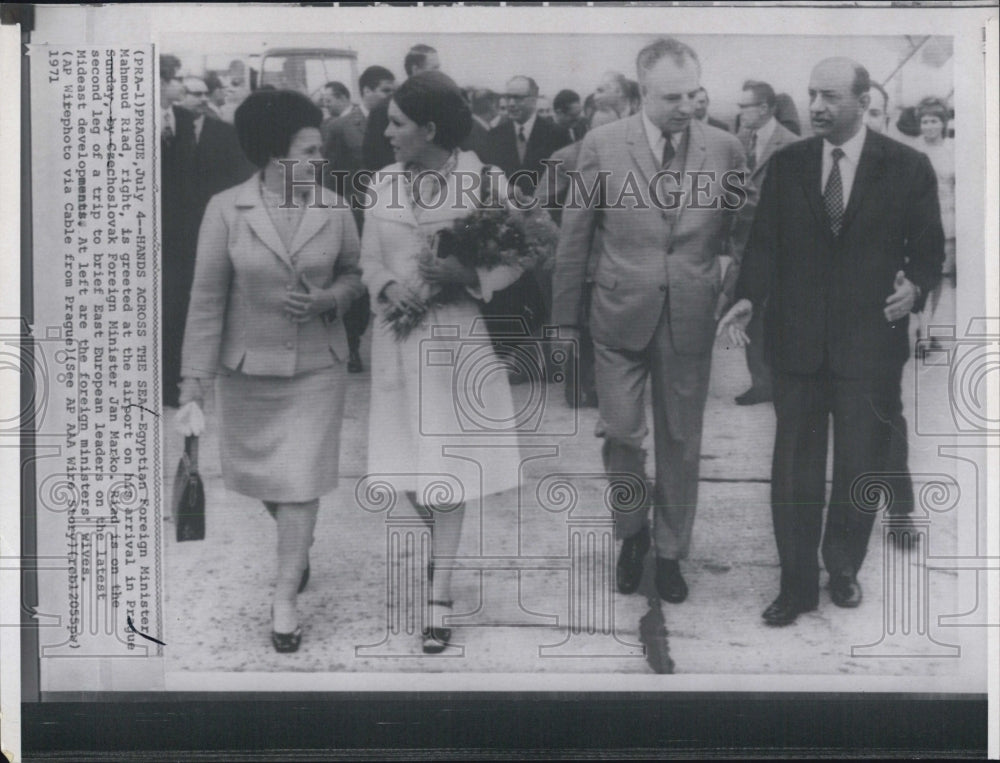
{"x": 521, "y": 606}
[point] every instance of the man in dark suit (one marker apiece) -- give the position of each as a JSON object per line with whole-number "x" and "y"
{"x": 200, "y": 158}
{"x": 519, "y": 144}
{"x": 484, "y": 110}
{"x": 846, "y": 241}
{"x": 658, "y": 288}
{"x": 376, "y": 149}
{"x": 343, "y": 142}
{"x": 701, "y": 111}
{"x": 762, "y": 136}
{"x": 567, "y": 110}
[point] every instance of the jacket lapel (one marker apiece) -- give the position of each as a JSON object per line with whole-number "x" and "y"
{"x": 638, "y": 146}
{"x": 812, "y": 177}
{"x": 249, "y": 201}
{"x": 312, "y": 222}
{"x": 868, "y": 169}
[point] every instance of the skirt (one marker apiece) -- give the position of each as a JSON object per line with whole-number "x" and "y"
{"x": 280, "y": 436}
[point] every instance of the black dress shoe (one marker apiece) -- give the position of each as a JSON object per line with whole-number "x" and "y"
{"x": 630, "y": 559}
{"x": 354, "y": 364}
{"x": 845, "y": 591}
{"x": 753, "y": 396}
{"x": 669, "y": 581}
{"x": 785, "y": 609}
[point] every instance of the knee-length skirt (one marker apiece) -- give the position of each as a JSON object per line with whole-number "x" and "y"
{"x": 280, "y": 436}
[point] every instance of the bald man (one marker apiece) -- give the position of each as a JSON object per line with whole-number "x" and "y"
{"x": 846, "y": 242}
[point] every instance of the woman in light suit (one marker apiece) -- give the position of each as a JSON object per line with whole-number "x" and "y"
{"x": 433, "y": 423}
{"x": 264, "y": 323}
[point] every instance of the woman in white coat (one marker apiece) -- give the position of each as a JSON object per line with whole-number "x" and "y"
{"x": 440, "y": 401}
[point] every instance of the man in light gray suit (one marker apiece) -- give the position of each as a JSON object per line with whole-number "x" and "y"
{"x": 668, "y": 200}
{"x": 762, "y": 135}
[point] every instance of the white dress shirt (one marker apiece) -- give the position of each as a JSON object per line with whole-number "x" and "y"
{"x": 848, "y": 162}
{"x": 528, "y": 126}
{"x": 764, "y": 134}
{"x": 657, "y": 141}
{"x": 363, "y": 110}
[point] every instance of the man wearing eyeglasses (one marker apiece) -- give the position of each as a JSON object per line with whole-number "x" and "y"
{"x": 762, "y": 136}
{"x": 204, "y": 158}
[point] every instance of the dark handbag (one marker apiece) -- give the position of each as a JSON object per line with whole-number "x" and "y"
{"x": 189, "y": 495}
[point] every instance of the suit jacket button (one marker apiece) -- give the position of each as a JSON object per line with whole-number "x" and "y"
{"x": 289, "y": 345}
{"x": 663, "y": 287}
{"x": 670, "y": 249}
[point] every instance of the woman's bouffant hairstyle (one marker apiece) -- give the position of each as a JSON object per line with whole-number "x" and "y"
{"x": 933, "y": 107}
{"x": 267, "y": 121}
{"x": 434, "y": 97}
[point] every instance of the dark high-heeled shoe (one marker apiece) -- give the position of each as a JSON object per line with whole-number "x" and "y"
{"x": 286, "y": 642}
{"x": 436, "y": 639}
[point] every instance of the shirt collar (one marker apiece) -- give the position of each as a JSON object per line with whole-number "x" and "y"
{"x": 851, "y": 148}
{"x": 765, "y": 132}
{"x": 528, "y": 126}
{"x": 656, "y": 138}
{"x": 363, "y": 110}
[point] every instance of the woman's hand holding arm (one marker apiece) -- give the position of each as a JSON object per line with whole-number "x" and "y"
{"x": 312, "y": 300}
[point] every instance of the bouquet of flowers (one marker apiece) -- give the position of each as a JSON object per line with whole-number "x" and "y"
{"x": 485, "y": 239}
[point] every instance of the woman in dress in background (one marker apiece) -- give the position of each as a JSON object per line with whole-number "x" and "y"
{"x": 933, "y": 115}
{"x": 417, "y": 407}
{"x": 264, "y": 325}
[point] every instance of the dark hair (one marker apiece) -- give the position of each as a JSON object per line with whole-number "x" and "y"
{"x": 434, "y": 97}
{"x": 665, "y": 46}
{"x": 416, "y": 58}
{"x": 532, "y": 85}
{"x": 267, "y": 120}
{"x": 339, "y": 89}
{"x": 862, "y": 82}
{"x": 885, "y": 95}
{"x": 483, "y": 101}
{"x": 374, "y": 76}
{"x": 213, "y": 82}
{"x": 169, "y": 66}
{"x": 933, "y": 107}
{"x": 702, "y": 90}
{"x": 564, "y": 99}
{"x": 762, "y": 92}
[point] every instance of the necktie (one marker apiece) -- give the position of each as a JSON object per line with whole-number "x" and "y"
{"x": 752, "y": 151}
{"x": 833, "y": 195}
{"x": 168, "y": 126}
{"x": 522, "y": 143}
{"x": 668, "y": 150}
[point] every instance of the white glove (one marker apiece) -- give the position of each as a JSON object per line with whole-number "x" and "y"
{"x": 190, "y": 421}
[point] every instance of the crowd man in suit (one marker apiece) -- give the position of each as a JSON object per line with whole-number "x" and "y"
{"x": 658, "y": 289}
{"x": 846, "y": 242}
{"x": 484, "y": 111}
{"x": 335, "y": 100}
{"x": 762, "y": 136}
{"x": 343, "y": 144}
{"x": 376, "y": 149}
{"x": 567, "y": 110}
{"x": 701, "y": 111}
{"x": 201, "y": 156}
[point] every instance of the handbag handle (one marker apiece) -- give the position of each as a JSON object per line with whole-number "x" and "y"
{"x": 191, "y": 451}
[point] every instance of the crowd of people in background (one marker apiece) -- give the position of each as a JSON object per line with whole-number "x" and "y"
{"x": 633, "y": 317}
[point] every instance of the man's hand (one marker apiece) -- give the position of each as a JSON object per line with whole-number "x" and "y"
{"x": 901, "y": 301}
{"x": 735, "y": 322}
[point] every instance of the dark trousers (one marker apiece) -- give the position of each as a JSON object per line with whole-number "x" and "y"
{"x": 760, "y": 372}
{"x": 862, "y": 411}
